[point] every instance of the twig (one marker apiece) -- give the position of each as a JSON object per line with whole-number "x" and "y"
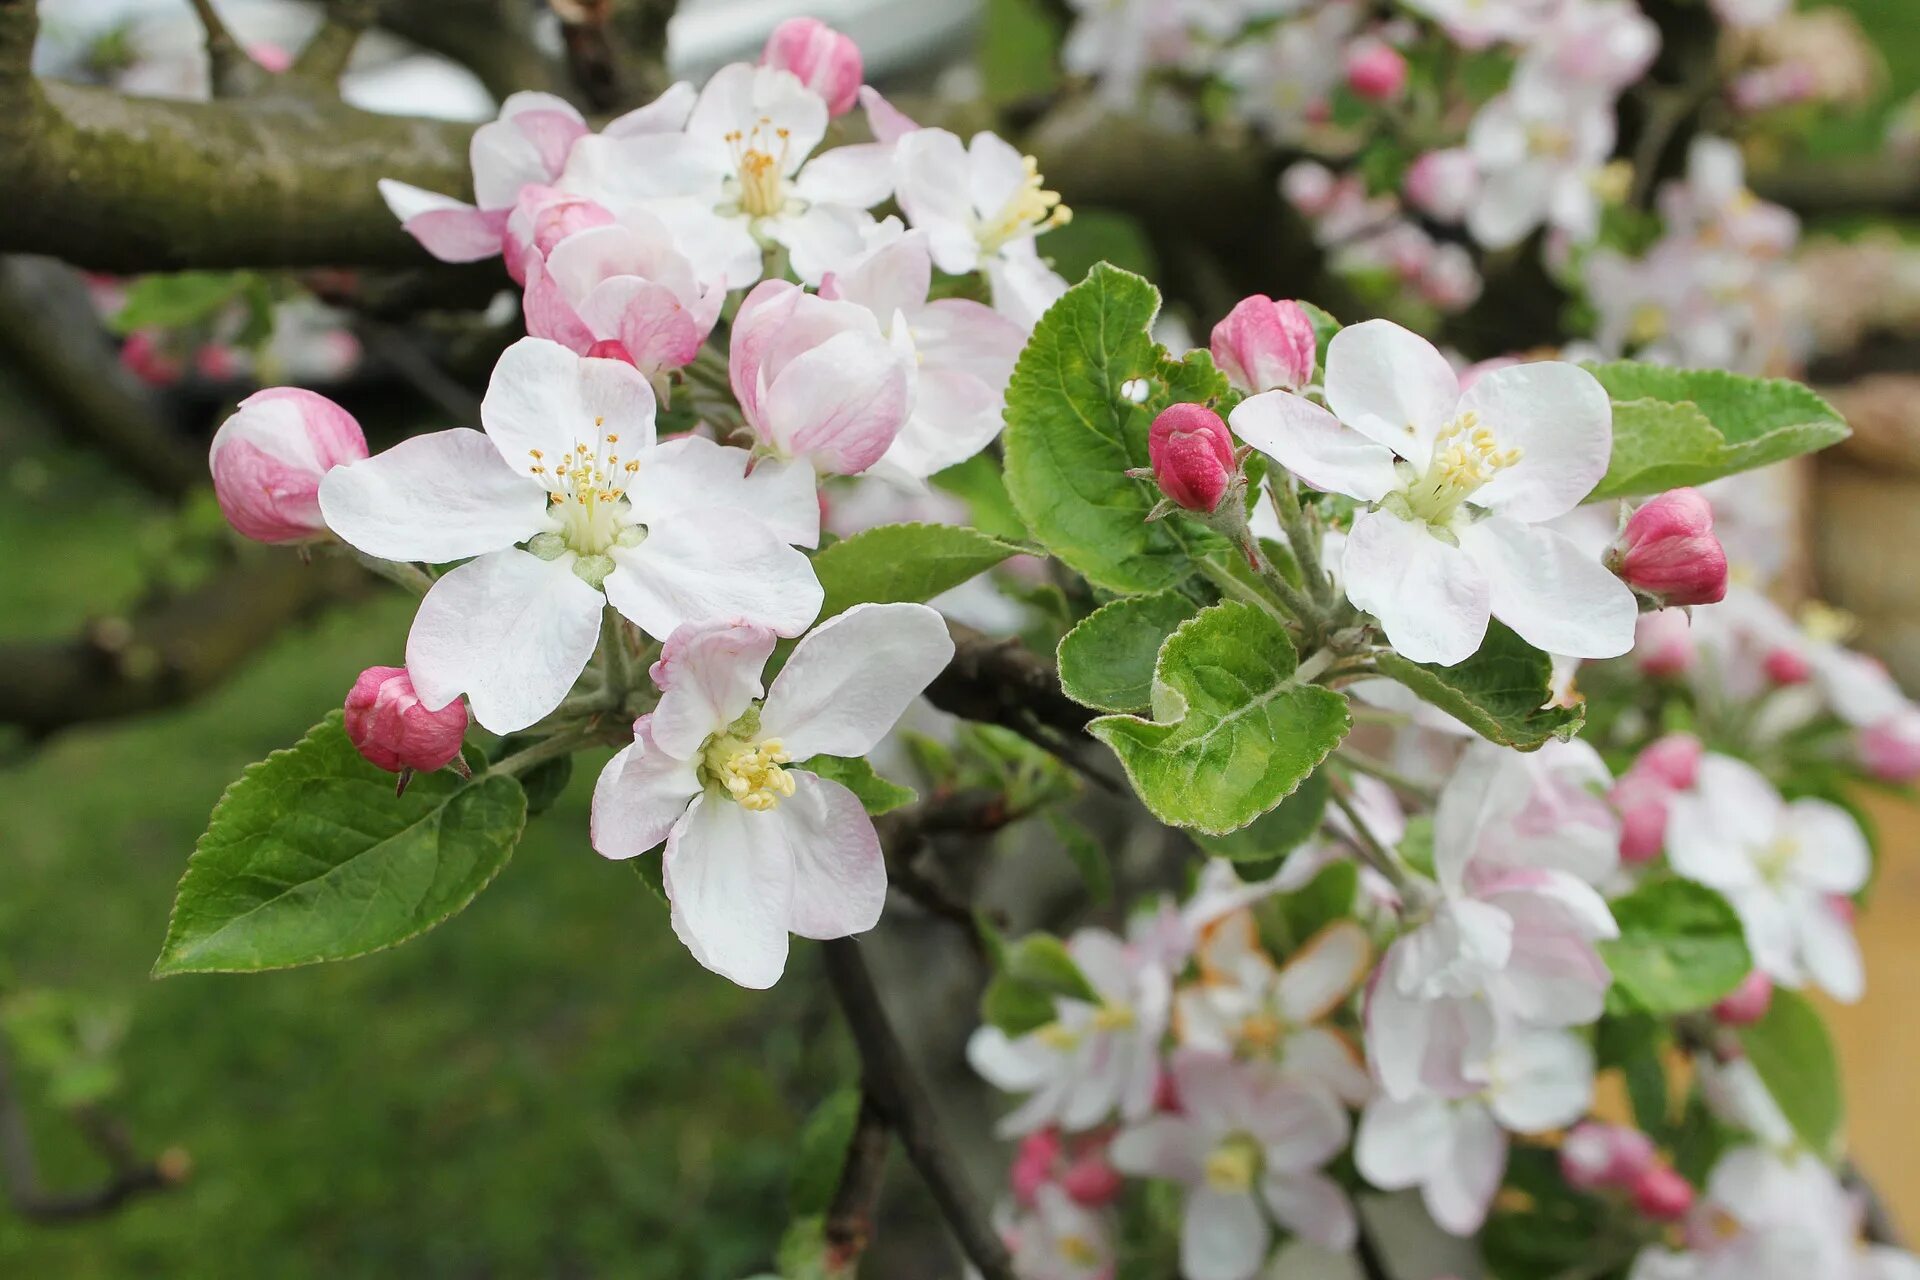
{"x": 1371, "y": 851}
{"x": 324, "y": 60}
{"x": 1400, "y": 782}
{"x": 901, "y": 1099}
{"x": 128, "y": 1175}
{"x": 593, "y": 54}
{"x": 905, "y": 832}
{"x": 231, "y": 73}
{"x": 850, "y": 1215}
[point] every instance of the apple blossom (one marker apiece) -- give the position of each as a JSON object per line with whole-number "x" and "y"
{"x": 824, "y": 60}
{"x": 1264, "y": 345}
{"x": 1667, "y": 551}
{"x": 1890, "y": 747}
{"x": 1595, "y": 1156}
{"x": 1376, "y": 70}
{"x": 1095, "y": 1060}
{"x": 1244, "y": 1138}
{"x": 1458, "y": 485}
{"x": 1786, "y": 667}
{"x": 976, "y": 201}
{"x": 1663, "y": 644}
{"x": 1444, "y": 183}
{"x": 1538, "y": 149}
{"x": 1118, "y": 42}
{"x": 1058, "y": 1238}
{"x": 1662, "y": 1194}
{"x": 1540, "y": 809}
{"x": 392, "y": 728}
{"x": 1283, "y": 80}
{"x": 1781, "y": 865}
{"x": 568, "y": 505}
{"x": 1192, "y": 456}
{"x": 1079, "y": 1166}
{"x": 817, "y": 380}
{"x": 1309, "y": 186}
{"x": 1594, "y": 46}
{"x": 268, "y": 460}
{"x": 1475, "y": 24}
{"x": 758, "y": 847}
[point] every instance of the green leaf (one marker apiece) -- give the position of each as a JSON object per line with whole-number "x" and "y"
{"x": 180, "y": 298}
{"x": 802, "y": 1254}
{"x": 822, "y": 1153}
{"x": 911, "y": 562}
{"x": 1279, "y": 830}
{"x": 1635, "y": 1044}
{"x": 1015, "y": 1008}
{"x": 1106, "y": 662}
{"x": 1324, "y": 327}
{"x": 877, "y": 794}
{"x": 1071, "y": 436}
{"x": 1032, "y": 972}
{"x": 310, "y": 856}
{"x": 1681, "y": 947}
{"x": 1234, "y": 732}
{"x": 1792, "y": 1052}
{"x": 1500, "y": 692}
{"x": 1088, "y": 856}
{"x": 1677, "y": 427}
{"x": 1322, "y": 900}
{"x": 979, "y": 483}
{"x": 651, "y": 868}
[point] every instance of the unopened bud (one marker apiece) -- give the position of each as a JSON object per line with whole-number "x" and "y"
{"x": 1786, "y": 666}
{"x": 1263, "y": 345}
{"x": 1191, "y": 452}
{"x": 1596, "y": 1155}
{"x": 1662, "y": 1194}
{"x": 1642, "y": 806}
{"x": 1668, "y": 554}
{"x": 1309, "y": 186}
{"x": 1673, "y": 760}
{"x": 1890, "y": 749}
{"x": 389, "y": 724}
{"x": 1033, "y": 1164}
{"x": 1376, "y": 70}
{"x": 1091, "y": 1179}
{"x": 267, "y": 460}
{"x": 826, "y": 61}
{"x": 1748, "y": 1002}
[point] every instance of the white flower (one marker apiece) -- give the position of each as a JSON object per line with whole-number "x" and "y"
{"x": 1244, "y": 1138}
{"x": 738, "y": 177}
{"x": 1543, "y": 808}
{"x": 755, "y": 849}
{"x": 1475, "y": 24}
{"x": 1094, "y": 1059}
{"x": 1539, "y": 148}
{"x": 975, "y": 201}
{"x": 1786, "y": 867}
{"x": 1282, "y": 81}
{"x": 565, "y": 497}
{"x": 1459, "y": 485}
{"x": 1059, "y": 1238}
{"x": 1455, "y": 1150}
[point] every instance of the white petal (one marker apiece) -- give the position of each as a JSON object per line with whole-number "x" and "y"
{"x": 1462, "y": 1189}
{"x": 839, "y": 872}
{"x": 1317, "y": 977}
{"x": 860, "y": 175}
{"x": 718, "y": 565}
{"x": 1013, "y": 1066}
{"x": 708, "y": 673}
{"x": 1830, "y": 952}
{"x": 1392, "y": 386}
{"x": 1714, "y": 831}
{"x": 1833, "y": 855}
{"x": 1432, "y": 599}
{"x": 1223, "y": 1237}
{"x": 1163, "y": 1147}
{"x": 1399, "y": 1143}
{"x": 1542, "y": 1080}
{"x": 665, "y": 114}
{"x": 849, "y": 680}
{"x": 640, "y": 795}
{"x": 1313, "y": 1207}
{"x": 840, "y": 404}
{"x": 1328, "y": 1057}
{"x": 1310, "y": 442}
{"x": 1299, "y": 1127}
{"x": 545, "y": 398}
{"x": 509, "y": 630}
{"x": 693, "y": 471}
{"x": 1556, "y": 596}
{"x": 437, "y": 497}
{"x": 729, "y": 877}
{"x": 1560, "y": 419}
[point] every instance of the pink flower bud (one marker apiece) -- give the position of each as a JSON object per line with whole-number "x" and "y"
{"x": 270, "y": 56}
{"x": 1663, "y": 643}
{"x": 1444, "y": 183}
{"x": 610, "y": 349}
{"x": 1668, "y": 551}
{"x": 267, "y": 460}
{"x": 1033, "y": 1164}
{"x": 1595, "y": 1156}
{"x": 1673, "y": 760}
{"x": 1309, "y": 186}
{"x": 1787, "y": 666}
{"x": 216, "y": 362}
{"x": 1748, "y": 1002}
{"x": 1263, "y": 344}
{"x": 1376, "y": 70}
{"x": 392, "y": 728}
{"x": 148, "y": 360}
{"x": 826, "y": 61}
{"x": 1192, "y": 456}
{"x": 1166, "y": 1094}
{"x": 1662, "y": 1194}
{"x": 1890, "y": 750}
{"x": 1642, "y": 805}
{"x": 1090, "y": 1178}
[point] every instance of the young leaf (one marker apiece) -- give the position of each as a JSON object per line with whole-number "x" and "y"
{"x": 1032, "y": 972}
{"x": 1681, "y": 947}
{"x": 171, "y": 300}
{"x": 310, "y": 856}
{"x": 1041, "y": 961}
{"x": 1675, "y": 427}
{"x": 1071, "y": 436}
{"x": 1233, "y": 731}
{"x": 904, "y": 562}
{"x": 1792, "y": 1052}
{"x": 1106, "y": 662}
{"x": 1275, "y": 833}
{"x": 877, "y": 795}
{"x": 1087, "y": 855}
{"x": 1500, "y": 692}
{"x": 822, "y": 1153}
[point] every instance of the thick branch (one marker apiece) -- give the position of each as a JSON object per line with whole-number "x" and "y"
{"x": 850, "y": 1217}
{"x": 902, "y": 1100}
{"x": 230, "y": 71}
{"x": 325, "y": 58}
{"x": 1877, "y": 184}
{"x": 128, "y": 1175}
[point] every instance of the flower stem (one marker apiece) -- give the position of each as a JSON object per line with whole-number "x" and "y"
{"x": 564, "y": 743}
{"x": 1372, "y": 852}
{"x": 616, "y": 658}
{"x": 400, "y": 573}
{"x": 1409, "y": 787}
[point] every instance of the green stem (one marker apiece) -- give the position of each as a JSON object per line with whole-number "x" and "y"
{"x": 1229, "y": 585}
{"x": 1375, "y": 854}
{"x": 401, "y": 573}
{"x": 616, "y": 657}
{"x": 564, "y": 743}
{"x": 1409, "y": 787}
{"x": 1304, "y": 536}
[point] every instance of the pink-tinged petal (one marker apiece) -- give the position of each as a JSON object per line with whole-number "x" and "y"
{"x": 885, "y": 121}
{"x": 1223, "y": 1236}
{"x": 1313, "y": 1207}
{"x": 729, "y": 878}
{"x": 451, "y": 230}
{"x": 1310, "y": 442}
{"x": 1556, "y": 596}
{"x": 665, "y": 114}
{"x": 1399, "y": 1030}
{"x": 640, "y": 795}
{"x": 552, "y": 133}
{"x": 268, "y": 461}
{"x": 839, "y": 873}
{"x": 544, "y": 401}
{"x": 1830, "y": 952}
{"x": 694, "y": 472}
{"x": 1462, "y": 1188}
{"x": 850, "y": 680}
{"x": 436, "y": 497}
{"x": 894, "y": 277}
{"x": 1330, "y": 1058}
{"x": 1299, "y": 1127}
{"x": 841, "y": 404}
{"x": 1163, "y": 1147}
{"x": 504, "y": 160}
{"x": 967, "y": 336}
{"x": 1543, "y": 1081}
{"x": 1399, "y": 1143}
{"x": 955, "y": 415}
{"x": 649, "y": 320}
{"x": 714, "y": 565}
{"x": 547, "y": 312}
{"x": 931, "y": 171}
{"x": 1432, "y": 598}
{"x": 1560, "y": 419}
{"x": 1833, "y": 855}
{"x": 1536, "y": 899}
{"x": 1322, "y": 973}
{"x": 708, "y": 674}
{"x": 1391, "y": 386}
{"x": 777, "y": 323}
{"x": 509, "y": 630}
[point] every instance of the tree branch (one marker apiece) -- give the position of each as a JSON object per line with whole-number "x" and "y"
{"x": 491, "y": 38}
{"x": 230, "y": 72}
{"x": 325, "y": 58}
{"x": 850, "y": 1216}
{"x": 902, "y": 1101}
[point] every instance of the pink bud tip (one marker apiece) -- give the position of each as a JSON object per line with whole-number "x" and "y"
{"x": 1166, "y": 1094}
{"x": 1668, "y": 551}
{"x": 389, "y": 725}
{"x": 1262, "y": 345}
{"x": 270, "y": 56}
{"x": 1090, "y": 1179}
{"x": 1673, "y": 760}
{"x": 1748, "y": 1002}
{"x": 1890, "y": 749}
{"x": 1662, "y": 1194}
{"x": 1787, "y": 666}
{"x": 1191, "y": 451}
{"x": 1643, "y": 819}
{"x": 1376, "y": 70}
{"x": 1596, "y": 1155}
{"x": 610, "y": 349}
{"x": 826, "y": 61}
{"x": 1033, "y": 1164}
{"x": 1309, "y": 186}
{"x": 267, "y": 460}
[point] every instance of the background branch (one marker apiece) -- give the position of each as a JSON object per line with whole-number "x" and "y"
{"x": 128, "y": 1175}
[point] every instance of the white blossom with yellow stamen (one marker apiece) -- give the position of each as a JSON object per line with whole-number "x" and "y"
{"x": 977, "y": 201}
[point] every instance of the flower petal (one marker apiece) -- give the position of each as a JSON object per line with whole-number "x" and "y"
{"x": 1462, "y": 1189}
{"x": 840, "y": 404}
{"x": 850, "y": 680}
{"x": 1223, "y": 1236}
{"x": 1400, "y": 1142}
{"x": 1560, "y": 419}
{"x": 1392, "y": 386}
{"x": 729, "y": 878}
{"x": 545, "y": 400}
{"x": 1833, "y": 855}
{"x": 640, "y": 795}
{"x": 1830, "y": 952}
{"x": 436, "y": 497}
{"x": 708, "y": 673}
{"x": 1550, "y": 591}
{"x": 1317, "y": 977}
{"x": 839, "y": 873}
{"x": 1432, "y": 599}
{"x": 451, "y": 230}
{"x": 1310, "y": 442}
{"x": 694, "y": 472}
{"x": 509, "y": 630}
{"x": 1543, "y": 1080}
{"x": 716, "y": 565}
{"x": 1313, "y": 1207}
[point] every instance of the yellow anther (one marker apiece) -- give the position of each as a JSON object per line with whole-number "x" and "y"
{"x": 1113, "y": 1017}
{"x": 751, "y": 773}
{"x": 1078, "y": 1250}
{"x": 1262, "y": 1032}
{"x": 1233, "y": 1165}
{"x": 1057, "y": 1036}
{"x": 535, "y": 454}
{"x": 1030, "y": 210}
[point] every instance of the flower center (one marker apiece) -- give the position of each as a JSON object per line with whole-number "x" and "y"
{"x": 759, "y": 162}
{"x": 1465, "y": 457}
{"x": 748, "y": 771}
{"x": 1234, "y": 1164}
{"x": 1077, "y": 1250}
{"x": 1027, "y": 212}
{"x": 1261, "y": 1033}
{"x": 587, "y": 494}
{"x": 1113, "y": 1016}
{"x": 1549, "y": 140}
{"x": 1774, "y": 860}
{"x": 1648, "y": 324}
{"x": 1058, "y": 1036}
